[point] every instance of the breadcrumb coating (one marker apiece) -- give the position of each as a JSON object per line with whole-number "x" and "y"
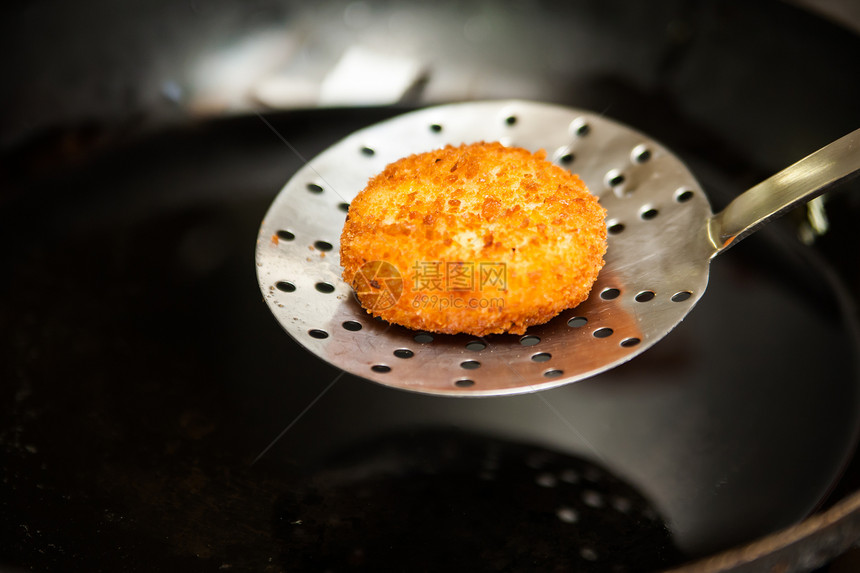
{"x": 485, "y": 238}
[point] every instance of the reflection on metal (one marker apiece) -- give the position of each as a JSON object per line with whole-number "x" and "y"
{"x": 369, "y": 77}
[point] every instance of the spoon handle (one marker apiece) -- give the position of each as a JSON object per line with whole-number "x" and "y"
{"x": 798, "y": 183}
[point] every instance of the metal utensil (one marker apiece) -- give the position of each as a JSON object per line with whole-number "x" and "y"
{"x": 662, "y": 236}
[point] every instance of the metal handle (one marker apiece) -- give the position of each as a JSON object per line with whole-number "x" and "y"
{"x": 799, "y": 183}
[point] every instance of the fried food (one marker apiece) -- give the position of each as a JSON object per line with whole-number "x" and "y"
{"x": 476, "y": 239}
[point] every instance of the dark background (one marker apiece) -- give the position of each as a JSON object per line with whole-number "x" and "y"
{"x": 141, "y": 375}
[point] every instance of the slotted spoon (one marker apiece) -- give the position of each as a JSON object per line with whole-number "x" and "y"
{"x": 661, "y": 234}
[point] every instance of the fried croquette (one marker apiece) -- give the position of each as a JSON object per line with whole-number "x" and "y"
{"x": 476, "y": 239}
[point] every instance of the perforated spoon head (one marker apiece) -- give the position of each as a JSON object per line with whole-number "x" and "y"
{"x": 656, "y": 262}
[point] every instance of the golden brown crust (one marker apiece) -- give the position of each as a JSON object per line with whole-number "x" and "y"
{"x": 483, "y": 209}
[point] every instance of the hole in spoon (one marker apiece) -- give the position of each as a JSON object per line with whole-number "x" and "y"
{"x": 649, "y": 213}
{"x": 683, "y": 195}
{"x": 641, "y": 154}
{"x": 529, "y": 340}
{"x": 615, "y": 228}
{"x": 351, "y": 325}
{"x": 681, "y": 296}
{"x": 610, "y": 294}
{"x": 614, "y": 178}
{"x": 464, "y": 383}
{"x": 579, "y": 127}
{"x": 644, "y": 296}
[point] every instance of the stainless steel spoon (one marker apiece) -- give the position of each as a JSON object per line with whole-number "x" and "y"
{"x": 662, "y": 236}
